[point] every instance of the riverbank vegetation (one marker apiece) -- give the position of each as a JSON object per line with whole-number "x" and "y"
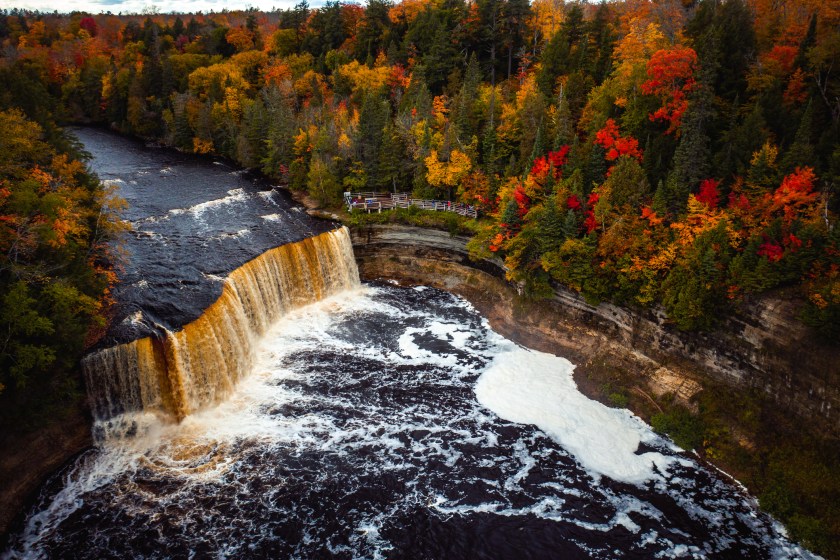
{"x": 56, "y": 222}
{"x": 675, "y": 153}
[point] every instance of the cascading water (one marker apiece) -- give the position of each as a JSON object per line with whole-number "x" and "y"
{"x": 372, "y": 426}
{"x": 182, "y": 371}
{"x": 320, "y": 418}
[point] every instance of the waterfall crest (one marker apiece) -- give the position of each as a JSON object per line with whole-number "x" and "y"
{"x": 183, "y": 371}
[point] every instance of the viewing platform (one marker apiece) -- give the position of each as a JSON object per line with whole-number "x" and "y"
{"x": 370, "y": 201}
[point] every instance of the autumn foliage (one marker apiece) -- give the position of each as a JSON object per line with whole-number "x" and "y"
{"x": 671, "y": 154}
{"x": 550, "y": 164}
{"x": 609, "y": 138}
{"x": 709, "y": 194}
{"x": 671, "y": 77}
{"x": 678, "y": 155}
{"x": 55, "y": 258}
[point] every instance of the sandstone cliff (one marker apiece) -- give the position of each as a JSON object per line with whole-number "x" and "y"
{"x": 762, "y": 346}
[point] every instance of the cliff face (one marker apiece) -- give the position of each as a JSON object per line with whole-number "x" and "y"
{"x": 28, "y": 459}
{"x": 764, "y": 347}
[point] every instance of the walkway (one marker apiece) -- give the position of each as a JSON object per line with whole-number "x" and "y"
{"x": 370, "y": 201}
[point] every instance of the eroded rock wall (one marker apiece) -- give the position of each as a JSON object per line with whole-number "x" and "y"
{"x": 763, "y": 346}
{"x": 28, "y": 459}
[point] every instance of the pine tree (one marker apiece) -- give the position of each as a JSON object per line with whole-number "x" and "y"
{"x": 551, "y": 227}
{"x": 391, "y": 168}
{"x": 279, "y": 139}
{"x": 251, "y": 148}
{"x": 627, "y": 183}
{"x": 373, "y": 118}
{"x": 571, "y": 225}
{"x": 554, "y": 62}
{"x": 807, "y": 42}
{"x": 514, "y": 16}
{"x": 595, "y": 169}
{"x": 563, "y": 123}
{"x": 692, "y": 158}
{"x": 602, "y": 40}
{"x": 510, "y": 215}
{"x": 467, "y": 118}
{"x": 740, "y": 141}
{"x": 801, "y": 151}
{"x": 373, "y": 29}
{"x": 325, "y": 30}
{"x": 417, "y": 96}
{"x": 182, "y": 134}
{"x": 539, "y": 148}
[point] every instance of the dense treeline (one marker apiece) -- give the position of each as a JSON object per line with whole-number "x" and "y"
{"x": 672, "y": 152}
{"x": 56, "y": 221}
{"x": 678, "y": 153}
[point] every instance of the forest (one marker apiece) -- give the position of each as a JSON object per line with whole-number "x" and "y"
{"x": 56, "y": 267}
{"x": 674, "y": 153}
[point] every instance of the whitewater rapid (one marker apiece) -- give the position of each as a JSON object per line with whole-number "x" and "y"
{"x": 385, "y": 422}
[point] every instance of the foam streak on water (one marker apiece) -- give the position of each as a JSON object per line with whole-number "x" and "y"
{"x": 191, "y": 223}
{"x": 363, "y": 433}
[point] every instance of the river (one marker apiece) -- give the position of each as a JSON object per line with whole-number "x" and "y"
{"x": 376, "y": 422}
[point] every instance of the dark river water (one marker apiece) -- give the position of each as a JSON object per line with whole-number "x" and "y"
{"x": 381, "y": 422}
{"x": 193, "y": 221}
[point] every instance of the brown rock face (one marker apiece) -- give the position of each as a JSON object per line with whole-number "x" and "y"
{"x": 764, "y": 347}
{"x": 29, "y": 459}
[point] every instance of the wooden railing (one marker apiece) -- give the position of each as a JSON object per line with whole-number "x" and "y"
{"x": 369, "y": 201}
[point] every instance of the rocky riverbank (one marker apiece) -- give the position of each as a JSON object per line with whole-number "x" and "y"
{"x": 764, "y": 347}
{"x": 30, "y": 457}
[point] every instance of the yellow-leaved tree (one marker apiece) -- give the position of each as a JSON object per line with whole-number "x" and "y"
{"x": 447, "y": 174}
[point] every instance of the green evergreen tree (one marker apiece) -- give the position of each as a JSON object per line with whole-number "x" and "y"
{"x": 372, "y": 34}
{"x": 373, "y": 118}
{"x": 801, "y": 152}
{"x": 563, "y": 123}
{"x": 627, "y": 184}
{"x": 554, "y": 62}
{"x": 539, "y": 147}
{"x": 693, "y": 154}
{"x": 393, "y": 165}
{"x": 740, "y": 142}
{"x": 324, "y": 30}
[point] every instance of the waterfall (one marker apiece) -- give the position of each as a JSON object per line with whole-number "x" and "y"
{"x": 183, "y": 371}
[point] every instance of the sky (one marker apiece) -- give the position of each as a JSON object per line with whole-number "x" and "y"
{"x": 140, "y": 6}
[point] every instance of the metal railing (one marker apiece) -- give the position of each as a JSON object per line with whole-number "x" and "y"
{"x": 369, "y": 201}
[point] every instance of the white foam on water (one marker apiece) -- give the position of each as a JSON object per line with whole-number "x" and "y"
{"x": 231, "y": 235}
{"x": 281, "y": 411}
{"x": 272, "y": 217}
{"x": 135, "y": 318}
{"x": 530, "y": 387}
{"x": 268, "y": 196}
{"x": 233, "y": 196}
